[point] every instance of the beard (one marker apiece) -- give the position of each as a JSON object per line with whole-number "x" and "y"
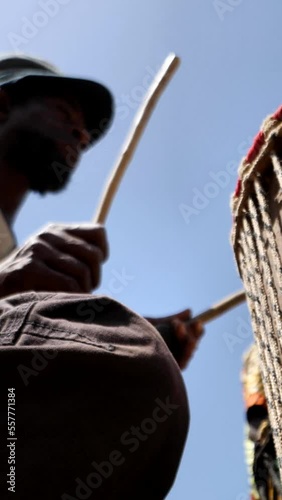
{"x": 39, "y": 159}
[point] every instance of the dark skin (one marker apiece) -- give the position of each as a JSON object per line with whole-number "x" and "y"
{"x": 65, "y": 258}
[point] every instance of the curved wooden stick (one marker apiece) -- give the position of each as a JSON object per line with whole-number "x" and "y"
{"x": 164, "y": 75}
{"x": 141, "y": 119}
{"x": 221, "y": 307}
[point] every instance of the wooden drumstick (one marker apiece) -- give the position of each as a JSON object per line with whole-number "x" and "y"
{"x": 166, "y": 72}
{"x": 220, "y": 307}
{"x": 141, "y": 119}
{"x": 167, "y": 330}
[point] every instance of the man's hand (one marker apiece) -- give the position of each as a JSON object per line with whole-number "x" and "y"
{"x": 182, "y": 339}
{"x": 64, "y": 258}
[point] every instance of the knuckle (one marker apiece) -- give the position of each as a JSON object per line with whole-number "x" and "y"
{"x": 49, "y": 228}
{"x": 35, "y": 247}
{"x": 76, "y": 243}
{"x": 100, "y": 234}
{"x": 100, "y": 229}
{"x": 46, "y": 236}
{"x": 30, "y": 264}
{"x": 89, "y": 249}
{"x": 97, "y": 255}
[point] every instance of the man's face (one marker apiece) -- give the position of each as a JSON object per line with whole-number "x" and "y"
{"x": 43, "y": 137}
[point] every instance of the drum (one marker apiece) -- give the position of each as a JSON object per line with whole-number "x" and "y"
{"x": 257, "y": 242}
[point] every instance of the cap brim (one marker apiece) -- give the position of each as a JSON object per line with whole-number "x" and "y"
{"x": 95, "y": 100}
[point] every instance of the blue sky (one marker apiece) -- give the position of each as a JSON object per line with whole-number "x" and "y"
{"x": 170, "y": 223}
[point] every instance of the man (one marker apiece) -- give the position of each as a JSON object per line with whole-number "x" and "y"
{"x": 96, "y": 403}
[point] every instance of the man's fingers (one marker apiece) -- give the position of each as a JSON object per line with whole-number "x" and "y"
{"x": 69, "y": 266}
{"x": 63, "y": 263}
{"x": 59, "y": 258}
{"x": 190, "y": 331}
{"x": 188, "y": 338}
{"x": 86, "y": 253}
{"x": 183, "y": 316}
{"x": 199, "y": 328}
{"x": 180, "y": 329}
{"x": 54, "y": 281}
{"x": 95, "y": 235}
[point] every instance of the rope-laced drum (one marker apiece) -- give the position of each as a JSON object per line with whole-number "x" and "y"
{"x": 257, "y": 241}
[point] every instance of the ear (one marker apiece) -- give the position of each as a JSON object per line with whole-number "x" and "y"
{"x": 5, "y": 105}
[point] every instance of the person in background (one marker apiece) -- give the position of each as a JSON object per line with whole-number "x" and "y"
{"x": 261, "y": 460}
